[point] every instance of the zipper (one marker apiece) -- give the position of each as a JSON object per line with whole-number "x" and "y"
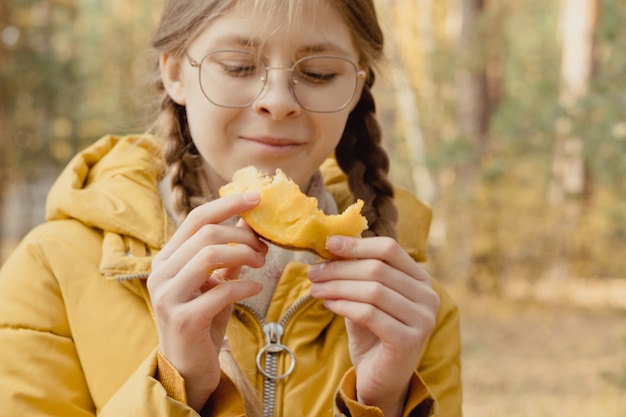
{"x": 268, "y": 355}
{"x": 128, "y": 277}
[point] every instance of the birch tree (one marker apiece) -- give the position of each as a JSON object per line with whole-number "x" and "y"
{"x": 408, "y": 109}
{"x": 577, "y": 25}
{"x": 472, "y": 119}
{"x": 569, "y": 187}
{"x": 9, "y": 35}
{"x": 478, "y": 247}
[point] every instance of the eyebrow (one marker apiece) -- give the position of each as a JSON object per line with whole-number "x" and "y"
{"x": 238, "y": 40}
{"x": 253, "y": 43}
{"x": 324, "y": 47}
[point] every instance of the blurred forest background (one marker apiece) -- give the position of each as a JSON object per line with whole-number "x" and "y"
{"x": 507, "y": 117}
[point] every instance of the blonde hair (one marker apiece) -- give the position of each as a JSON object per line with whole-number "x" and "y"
{"x": 252, "y": 399}
{"x": 359, "y": 153}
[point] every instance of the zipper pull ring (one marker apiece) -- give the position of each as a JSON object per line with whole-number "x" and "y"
{"x": 273, "y": 346}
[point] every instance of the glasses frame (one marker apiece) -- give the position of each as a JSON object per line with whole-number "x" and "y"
{"x": 359, "y": 72}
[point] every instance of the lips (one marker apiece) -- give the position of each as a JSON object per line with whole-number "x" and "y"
{"x": 273, "y": 141}
{"x": 273, "y": 146}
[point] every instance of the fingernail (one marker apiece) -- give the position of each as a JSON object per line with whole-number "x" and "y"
{"x": 335, "y": 243}
{"x": 251, "y": 197}
{"x": 314, "y": 271}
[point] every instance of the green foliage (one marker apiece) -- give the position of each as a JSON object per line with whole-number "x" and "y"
{"x": 71, "y": 77}
{"x": 80, "y": 69}
{"x": 502, "y": 183}
{"x": 36, "y": 79}
{"x": 524, "y": 119}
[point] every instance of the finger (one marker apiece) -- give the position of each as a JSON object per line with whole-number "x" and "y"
{"x": 206, "y": 236}
{"x": 223, "y": 296}
{"x": 194, "y": 274}
{"x": 204, "y": 312}
{"x": 368, "y": 270}
{"x": 218, "y": 276}
{"x": 374, "y": 270}
{"x": 383, "y": 248}
{"x": 213, "y": 212}
{"x": 383, "y": 298}
{"x": 242, "y": 223}
{"x": 387, "y": 328}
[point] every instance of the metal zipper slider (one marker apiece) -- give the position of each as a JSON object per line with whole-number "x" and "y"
{"x": 273, "y": 332}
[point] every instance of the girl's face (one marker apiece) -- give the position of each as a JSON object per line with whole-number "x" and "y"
{"x": 274, "y": 131}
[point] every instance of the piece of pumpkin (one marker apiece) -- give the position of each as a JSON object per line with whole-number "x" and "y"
{"x": 290, "y": 218}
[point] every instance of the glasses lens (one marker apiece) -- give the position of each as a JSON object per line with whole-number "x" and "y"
{"x": 323, "y": 83}
{"x": 231, "y": 78}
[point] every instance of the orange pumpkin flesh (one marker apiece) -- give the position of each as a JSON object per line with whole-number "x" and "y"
{"x": 290, "y": 218}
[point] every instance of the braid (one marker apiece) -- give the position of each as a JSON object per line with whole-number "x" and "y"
{"x": 361, "y": 156}
{"x": 182, "y": 161}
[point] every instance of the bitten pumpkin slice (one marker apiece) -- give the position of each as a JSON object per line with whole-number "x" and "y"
{"x": 290, "y": 218}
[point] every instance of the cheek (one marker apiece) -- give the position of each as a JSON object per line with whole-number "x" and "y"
{"x": 332, "y": 128}
{"x": 200, "y": 125}
{"x": 206, "y": 120}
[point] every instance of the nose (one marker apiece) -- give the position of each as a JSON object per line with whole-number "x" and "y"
{"x": 277, "y": 98}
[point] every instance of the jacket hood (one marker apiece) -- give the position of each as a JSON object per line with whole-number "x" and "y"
{"x": 111, "y": 186}
{"x": 103, "y": 185}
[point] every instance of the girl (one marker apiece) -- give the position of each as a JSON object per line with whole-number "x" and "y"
{"x": 124, "y": 301}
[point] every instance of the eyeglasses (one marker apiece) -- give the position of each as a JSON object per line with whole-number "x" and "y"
{"x": 319, "y": 83}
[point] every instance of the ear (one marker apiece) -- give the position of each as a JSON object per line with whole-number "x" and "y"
{"x": 171, "y": 76}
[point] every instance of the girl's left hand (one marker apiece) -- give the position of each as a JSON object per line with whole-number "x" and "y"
{"x": 390, "y": 309}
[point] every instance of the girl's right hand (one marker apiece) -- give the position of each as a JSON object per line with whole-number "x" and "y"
{"x": 193, "y": 286}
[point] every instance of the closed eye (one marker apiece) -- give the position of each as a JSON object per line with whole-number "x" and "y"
{"x": 317, "y": 77}
{"x": 239, "y": 70}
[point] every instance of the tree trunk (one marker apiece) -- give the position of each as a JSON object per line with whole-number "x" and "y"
{"x": 570, "y": 189}
{"x": 406, "y": 101}
{"x": 5, "y": 56}
{"x": 409, "y": 116}
{"x": 577, "y": 27}
{"x": 474, "y": 261}
{"x": 473, "y": 102}
{"x": 426, "y": 37}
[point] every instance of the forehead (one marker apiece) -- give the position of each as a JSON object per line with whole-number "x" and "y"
{"x": 314, "y": 25}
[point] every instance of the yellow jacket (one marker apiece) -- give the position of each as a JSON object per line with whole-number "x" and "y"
{"x": 77, "y": 337}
